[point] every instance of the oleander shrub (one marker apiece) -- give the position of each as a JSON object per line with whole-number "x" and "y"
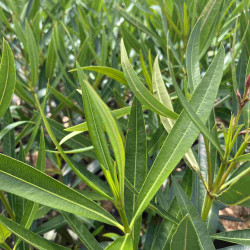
{"x": 123, "y": 124}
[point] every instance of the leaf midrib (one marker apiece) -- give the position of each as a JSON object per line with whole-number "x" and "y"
{"x": 61, "y": 197}
{"x": 143, "y": 201}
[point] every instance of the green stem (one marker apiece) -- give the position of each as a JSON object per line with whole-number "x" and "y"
{"x": 232, "y": 165}
{"x": 7, "y": 206}
{"x": 209, "y": 165}
{"x": 206, "y": 206}
{"x": 124, "y": 219}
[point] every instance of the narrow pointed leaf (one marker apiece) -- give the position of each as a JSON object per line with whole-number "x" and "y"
{"x": 185, "y": 236}
{"x": 82, "y": 231}
{"x": 161, "y": 93}
{"x": 136, "y": 162}
{"x": 183, "y": 134}
{"x": 28, "y": 236}
{"x": 192, "y": 57}
{"x": 7, "y": 78}
{"x": 187, "y": 207}
{"x": 23, "y": 180}
{"x": 110, "y": 125}
{"x": 239, "y": 236}
{"x": 33, "y": 53}
{"x": 140, "y": 91}
{"x": 194, "y": 117}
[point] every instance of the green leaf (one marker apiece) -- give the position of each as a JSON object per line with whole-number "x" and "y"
{"x": 167, "y": 228}
{"x": 193, "y": 116}
{"x": 23, "y": 180}
{"x": 94, "y": 123}
{"x": 140, "y": 91}
{"x": 161, "y": 93}
{"x": 33, "y": 53}
{"x": 4, "y": 233}
{"x": 136, "y": 154}
{"x": 183, "y": 134}
{"x": 210, "y": 23}
{"x": 242, "y": 158}
{"x": 110, "y": 72}
{"x": 31, "y": 207}
{"x": 90, "y": 97}
{"x": 185, "y": 236}
{"x": 51, "y": 58}
{"x": 82, "y": 231}
{"x": 9, "y": 127}
{"x": 122, "y": 243}
{"x": 192, "y": 57}
{"x": 7, "y": 78}
{"x": 237, "y": 192}
{"x": 118, "y": 113}
{"x": 187, "y": 207}
{"x": 136, "y": 162}
{"x": 28, "y": 236}
{"x": 239, "y": 237}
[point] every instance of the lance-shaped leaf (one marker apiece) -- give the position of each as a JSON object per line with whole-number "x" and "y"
{"x": 192, "y": 57}
{"x": 185, "y": 236}
{"x": 7, "y": 78}
{"x": 28, "y": 236}
{"x": 136, "y": 162}
{"x": 161, "y": 93}
{"x": 122, "y": 243}
{"x": 167, "y": 228}
{"x": 32, "y": 207}
{"x": 110, "y": 72}
{"x": 110, "y": 125}
{"x": 238, "y": 190}
{"x": 82, "y": 232}
{"x": 183, "y": 134}
{"x": 187, "y": 207}
{"x": 140, "y": 91}
{"x": 239, "y": 237}
{"x": 21, "y": 179}
{"x": 32, "y": 52}
{"x": 193, "y": 116}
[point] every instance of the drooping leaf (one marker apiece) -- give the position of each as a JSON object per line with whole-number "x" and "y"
{"x": 183, "y": 134}
{"x": 7, "y": 78}
{"x": 23, "y": 180}
{"x": 185, "y": 236}
{"x": 110, "y": 72}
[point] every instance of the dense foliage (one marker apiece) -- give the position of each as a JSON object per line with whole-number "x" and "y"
{"x": 123, "y": 124}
